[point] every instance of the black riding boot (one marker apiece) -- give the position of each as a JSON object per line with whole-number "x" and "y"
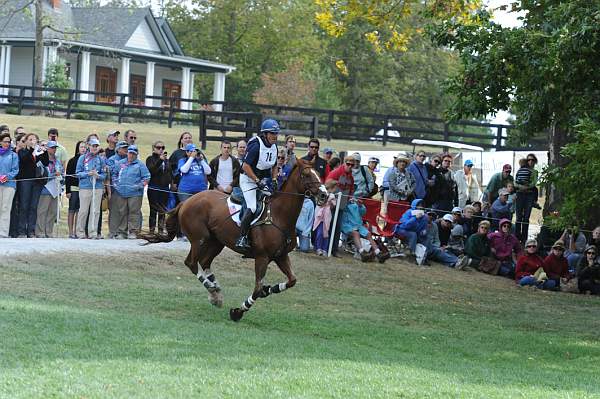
{"x": 242, "y": 242}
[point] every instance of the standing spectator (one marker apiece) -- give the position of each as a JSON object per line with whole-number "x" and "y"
{"x": 422, "y": 179}
{"x": 61, "y": 152}
{"x": 133, "y": 176}
{"x": 241, "y": 150}
{"x": 320, "y": 164}
{"x": 588, "y": 272}
{"x": 467, "y": 185}
{"x": 72, "y": 188}
{"x": 385, "y": 186}
{"x": 14, "y": 211}
{"x": 528, "y": 266}
{"x": 498, "y": 181}
{"x": 4, "y": 129}
{"x": 282, "y": 168}
{"x": 402, "y": 182}
{"x": 47, "y": 209}
{"x": 91, "y": 174}
{"x": 322, "y": 222}
{"x": 193, "y": 173}
{"x": 114, "y": 198}
{"x": 28, "y": 188}
{"x": 158, "y": 188}
{"x": 9, "y": 168}
{"x": 555, "y": 264}
{"x": 505, "y": 247}
{"x": 327, "y": 155}
{"x": 342, "y": 175}
{"x": 433, "y": 170}
{"x": 290, "y": 146}
{"x": 176, "y": 156}
{"x": 477, "y": 246}
{"x": 112, "y": 138}
{"x": 364, "y": 183}
{"x": 446, "y": 194}
{"x": 413, "y": 225}
{"x": 225, "y": 170}
{"x": 525, "y": 183}
{"x": 130, "y": 136}
{"x": 372, "y": 164}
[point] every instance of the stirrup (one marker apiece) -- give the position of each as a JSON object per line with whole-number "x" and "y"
{"x": 242, "y": 243}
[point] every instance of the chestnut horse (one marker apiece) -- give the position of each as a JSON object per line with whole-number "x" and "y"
{"x": 206, "y": 222}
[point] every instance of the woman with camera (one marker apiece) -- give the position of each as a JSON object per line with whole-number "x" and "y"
{"x": 160, "y": 180}
{"x": 28, "y": 187}
{"x": 193, "y": 173}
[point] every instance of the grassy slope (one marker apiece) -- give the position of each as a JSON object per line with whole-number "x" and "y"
{"x": 140, "y": 326}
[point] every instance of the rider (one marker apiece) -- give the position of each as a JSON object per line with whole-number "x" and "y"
{"x": 260, "y": 158}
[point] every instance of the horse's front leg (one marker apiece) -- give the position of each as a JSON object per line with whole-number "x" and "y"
{"x": 260, "y": 269}
{"x": 285, "y": 265}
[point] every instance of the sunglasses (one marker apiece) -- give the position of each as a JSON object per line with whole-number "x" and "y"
{"x": 314, "y": 147}
{"x": 349, "y": 163}
{"x": 280, "y": 157}
{"x": 531, "y": 246}
{"x": 590, "y": 253}
{"x": 436, "y": 161}
{"x": 160, "y": 147}
{"x": 421, "y": 155}
{"x": 133, "y": 137}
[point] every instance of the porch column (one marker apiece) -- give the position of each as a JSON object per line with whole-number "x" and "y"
{"x": 219, "y": 91}
{"x": 84, "y": 75}
{"x": 5, "y": 54}
{"x": 49, "y": 57}
{"x": 191, "y": 90}
{"x": 124, "y": 77}
{"x": 149, "y": 102}
{"x": 185, "y": 87}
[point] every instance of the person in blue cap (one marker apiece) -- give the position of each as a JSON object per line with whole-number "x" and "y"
{"x": 467, "y": 185}
{"x": 257, "y": 172}
{"x": 194, "y": 171}
{"x": 91, "y": 174}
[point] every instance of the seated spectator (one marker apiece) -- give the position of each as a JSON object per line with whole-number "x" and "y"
{"x": 304, "y": 224}
{"x": 413, "y": 225}
{"x": 322, "y": 222}
{"x": 575, "y": 246}
{"x": 352, "y": 226}
{"x": 435, "y": 251}
{"x": 9, "y": 168}
{"x": 456, "y": 243}
{"x": 401, "y": 181}
{"x": 588, "y": 272}
{"x": 133, "y": 177}
{"x": 445, "y": 225}
{"x": 529, "y": 267}
{"x": 457, "y": 215}
{"x": 596, "y": 237}
{"x": 555, "y": 264}
{"x": 47, "y": 208}
{"x": 505, "y": 247}
{"x": 501, "y": 208}
{"x": 477, "y": 246}
{"x": 194, "y": 171}
{"x": 468, "y": 222}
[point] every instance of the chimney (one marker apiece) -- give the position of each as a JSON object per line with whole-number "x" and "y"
{"x": 55, "y": 4}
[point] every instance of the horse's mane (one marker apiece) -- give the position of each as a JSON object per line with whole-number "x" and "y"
{"x": 284, "y": 185}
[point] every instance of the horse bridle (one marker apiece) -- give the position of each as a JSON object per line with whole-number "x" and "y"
{"x": 307, "y": 193}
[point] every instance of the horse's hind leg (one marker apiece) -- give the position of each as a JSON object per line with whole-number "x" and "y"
{"x": 202, "y": 253}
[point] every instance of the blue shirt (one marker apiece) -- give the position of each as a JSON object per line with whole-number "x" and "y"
{"x": 131, "y": 178}
{"x": 194, "y": 181}
{"x": 52, "y": 167}
{"x": 419, "y": 171}
{"x": 9, "y": 166}
{"x": 86, "y": 163}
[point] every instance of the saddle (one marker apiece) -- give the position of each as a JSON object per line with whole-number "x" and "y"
{"x": 237, "y": 206}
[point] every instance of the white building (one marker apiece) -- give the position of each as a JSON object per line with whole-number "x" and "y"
{"x": 122, "y": 50}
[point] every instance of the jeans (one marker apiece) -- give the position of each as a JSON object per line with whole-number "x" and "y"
{"x": 29, "y": 195}
{"x": 507, "y": 268}
{"x": 544, "y": 285}
{"x": 573, "y": 258}
{"x": 321, "y": 242}
{"x": 412, "y": 238}
{"x": 444, "y": 257}
{"x": 523, "y": 206}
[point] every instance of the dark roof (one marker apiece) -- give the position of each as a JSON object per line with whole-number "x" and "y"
{"x": 107, "y": 26}
{"x": 21, "y": 25}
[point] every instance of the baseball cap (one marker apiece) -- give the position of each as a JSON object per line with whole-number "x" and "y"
{"x": 327, "y": 150}
{"x": 113, "y": 133}
{"x": 374, "y": 159}
{"x": 457, "y": 209}
{"x": 448, "y": 217}
{"x": 190, "y": 147}
{"x": 132, "y": 148}
{"x": 503, "y": 191}
{"x": 122, "y": 144}
{"x": 468, "y": 162}
{"x": 52, "y": 144}
{"x": 506, "y": 167}
{"x": 93, "y": 141}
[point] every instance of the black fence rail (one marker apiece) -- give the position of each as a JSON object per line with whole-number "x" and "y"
{"x": 242, "y": 120}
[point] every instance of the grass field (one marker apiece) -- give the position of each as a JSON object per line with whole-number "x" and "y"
{"x": 139, "y": 325}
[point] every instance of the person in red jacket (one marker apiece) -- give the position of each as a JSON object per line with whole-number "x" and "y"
{"x": 555, "y": 265}
{"x": 528, "y": 264}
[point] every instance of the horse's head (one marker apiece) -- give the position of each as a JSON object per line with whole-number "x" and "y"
{"x": 308, "y": 181}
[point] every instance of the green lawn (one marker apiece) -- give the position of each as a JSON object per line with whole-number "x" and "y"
{"x": 140, "y": 326}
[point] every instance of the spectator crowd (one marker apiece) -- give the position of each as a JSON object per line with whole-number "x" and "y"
{"x": 447, "y": 216}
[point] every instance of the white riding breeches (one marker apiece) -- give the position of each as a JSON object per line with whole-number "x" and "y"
{"x": 248, "y": 187}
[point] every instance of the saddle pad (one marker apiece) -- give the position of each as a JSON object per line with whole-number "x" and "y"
{"x": 235, "y": 210}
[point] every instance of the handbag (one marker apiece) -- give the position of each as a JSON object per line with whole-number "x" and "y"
{"x": 489, "y": 265}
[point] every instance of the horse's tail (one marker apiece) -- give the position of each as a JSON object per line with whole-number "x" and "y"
{"x": 171, "y": 225}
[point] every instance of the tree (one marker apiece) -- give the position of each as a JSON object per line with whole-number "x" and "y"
{"x": 289, "y": 88}
{"x": 544, "y": 71}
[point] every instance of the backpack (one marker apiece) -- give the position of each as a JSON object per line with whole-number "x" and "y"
{"x": 375, "y": 188}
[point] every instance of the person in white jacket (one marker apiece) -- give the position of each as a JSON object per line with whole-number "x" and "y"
{"x": 467, "y": 184}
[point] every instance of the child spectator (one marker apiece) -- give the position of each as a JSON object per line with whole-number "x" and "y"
{"x": 456, "y": 243}
{"x": 322, "y": 220}
{"x": 352, "y": 226}
{"x": 304, "y": 224}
